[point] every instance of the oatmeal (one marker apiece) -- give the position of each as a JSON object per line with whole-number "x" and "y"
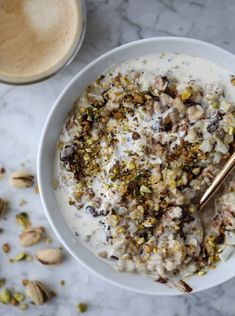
{"x": 138, "y": 150}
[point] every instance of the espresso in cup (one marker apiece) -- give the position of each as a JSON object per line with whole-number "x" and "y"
{"x": 37, "y": 37}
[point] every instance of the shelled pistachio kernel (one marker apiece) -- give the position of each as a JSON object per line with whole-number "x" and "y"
{"x": 21, "y": 179}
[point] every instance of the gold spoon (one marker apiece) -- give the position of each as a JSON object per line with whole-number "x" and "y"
{"x": 219, "y": 179}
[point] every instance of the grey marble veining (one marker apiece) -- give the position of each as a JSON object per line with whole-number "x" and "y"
{"x": 23, "y": 111}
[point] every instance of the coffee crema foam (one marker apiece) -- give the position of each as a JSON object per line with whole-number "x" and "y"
{"x": 36, "y": 37}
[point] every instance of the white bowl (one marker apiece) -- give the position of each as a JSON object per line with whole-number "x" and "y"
{"x": 50, "y": 136}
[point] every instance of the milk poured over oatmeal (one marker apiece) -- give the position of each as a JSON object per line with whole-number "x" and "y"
{"x": 160, "y": 107}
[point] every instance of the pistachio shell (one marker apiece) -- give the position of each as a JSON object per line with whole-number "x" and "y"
{"x": 38, "y": 292}
{"x": 31, "y": 236}
{"x": 49, "y": 256}
{"x": 21, "y": 179}
{"x": 3, "y": 205}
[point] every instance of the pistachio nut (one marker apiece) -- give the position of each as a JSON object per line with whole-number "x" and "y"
{"x": 82, "y": 307}
{"x": 3, "y": 205}
{"x": 23, "y": 306}
{"x": 38, "y": 292}
{"x": 31, "y": 236}
{"x": 20, "y": 257}
{"x": 49, "y": 256}
{"x": 18, "y": 296}
{"x": 5, "y": 296}
{"x": 21, "y": 179}
{"x": 6, "y": 248}
{"x": 23, "y": 220}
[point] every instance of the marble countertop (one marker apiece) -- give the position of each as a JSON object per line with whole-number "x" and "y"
{"x": 23, "y": 111}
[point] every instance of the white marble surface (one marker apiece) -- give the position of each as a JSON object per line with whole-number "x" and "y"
{"x": 23, "y": 111}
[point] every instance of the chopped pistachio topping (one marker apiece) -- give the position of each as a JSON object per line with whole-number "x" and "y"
{"x": 82, "y": 307}
{"x": 5, "y": 296}
{"x": 20, "y": 256}
{"x": 22, "y": 219}
{"x": 6, "y": 248}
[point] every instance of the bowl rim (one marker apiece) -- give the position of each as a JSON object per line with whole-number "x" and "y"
{"x": 45, "y": 203}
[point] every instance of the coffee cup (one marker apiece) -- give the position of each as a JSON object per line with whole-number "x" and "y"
{"x": 38, "y": 37}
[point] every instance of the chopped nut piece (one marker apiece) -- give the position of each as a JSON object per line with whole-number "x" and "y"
{"x": 162, "y": 280}
{"x": 144, "y": 189}
{"x": 21, "y": 179}
{"x": 23, "y": 220}
{"x": 18, "y": 296}
{"x": 103, "y": 254}
{"x": 2, "y": 282}
{"x": 48, "y": 240}
{"x": 24, "y": 282}
{"x": 82, "y": 307}
{"x": 23, "y": 306}
{"x": 14, "y": 301}
{"x": 117, "y": 115}
{"x": 53, "y": 293}
{"x": 29, "y": 258}
{"x": 36, "y": 189}
{"x": 5, "y": 296}
{"x": 3, "y": 205}
{"x": 233, "y": 81}
{"x": 6, "y": 248}
{"x": 201, "y": 273}
{"x": 23, "y": 202}
{"x": 135, "y": 136}
{"x": 138, "y": 98}
{"x": 20, "y": 256}
{"x": 186, "y": 94}
{"x": 62, "y": 282}
{"x": 2, "y": 171}
{"x": 55, "y": 184}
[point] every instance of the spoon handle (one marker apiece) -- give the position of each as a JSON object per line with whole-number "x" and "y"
{"x": 219, "y": 179}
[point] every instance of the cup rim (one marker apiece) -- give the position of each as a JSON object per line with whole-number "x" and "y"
{"x": 67, "y": 62}
{"x": 41, "y": 149}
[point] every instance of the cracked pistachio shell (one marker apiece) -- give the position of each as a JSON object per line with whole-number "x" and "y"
{"x": 49, "y": 256}
{"x": 31, "y": 236}
{"x": 21, "y": 179}
{"x": 38, "y": 292}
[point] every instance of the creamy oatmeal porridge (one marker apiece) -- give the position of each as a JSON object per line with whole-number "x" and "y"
{"x": 138, "y": 150}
